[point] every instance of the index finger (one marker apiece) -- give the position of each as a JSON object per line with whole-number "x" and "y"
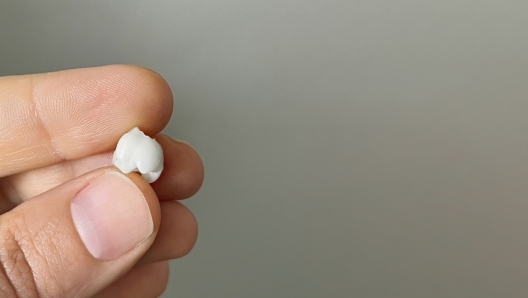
{"x": 52, "y": 117}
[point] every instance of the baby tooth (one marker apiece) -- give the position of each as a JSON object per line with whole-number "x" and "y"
{"x": 137, "y": 152}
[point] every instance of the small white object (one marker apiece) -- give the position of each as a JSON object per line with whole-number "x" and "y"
{"x": 138, "y": 152}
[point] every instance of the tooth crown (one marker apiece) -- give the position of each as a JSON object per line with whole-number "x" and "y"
{"x": 138, "y": 152}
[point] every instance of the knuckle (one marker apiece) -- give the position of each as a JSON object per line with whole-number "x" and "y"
{"x": 22, "y": 267}
{"x": 17, "y": 275}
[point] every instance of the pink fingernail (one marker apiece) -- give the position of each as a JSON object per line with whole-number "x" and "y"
{"x": 112, "y": 216}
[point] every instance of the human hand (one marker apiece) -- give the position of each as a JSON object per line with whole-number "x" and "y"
{"x": 71, "y": 225}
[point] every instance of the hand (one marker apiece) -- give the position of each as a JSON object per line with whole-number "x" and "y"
{"x": 71, "y": 225}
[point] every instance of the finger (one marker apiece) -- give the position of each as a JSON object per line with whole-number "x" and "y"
{"x": 184, "y": 172}
{"x": 26, "y": 185}
{"x": 145, "y": 281}
{"x": 49, "y": 118}
{"x": 181, "y": 178}
{"x": 76, "y": 239}
{"x": 176, "y": 235}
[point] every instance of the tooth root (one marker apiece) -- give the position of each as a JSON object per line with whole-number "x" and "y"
{"x": 151, "y": 176}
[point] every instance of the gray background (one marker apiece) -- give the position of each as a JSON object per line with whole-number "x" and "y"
{"x": 352, "y": 148}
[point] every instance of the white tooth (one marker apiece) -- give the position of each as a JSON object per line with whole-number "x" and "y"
{"x": 137, "y": 152}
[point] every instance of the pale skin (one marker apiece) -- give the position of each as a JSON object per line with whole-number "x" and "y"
{"x": 57, "y": 133}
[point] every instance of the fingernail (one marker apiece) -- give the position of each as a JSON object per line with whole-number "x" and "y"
{"x": 112, "y": 216}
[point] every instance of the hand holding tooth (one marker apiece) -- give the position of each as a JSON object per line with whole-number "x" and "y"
{"x": 138, "y": 152}
{"x": 70, "y": 225}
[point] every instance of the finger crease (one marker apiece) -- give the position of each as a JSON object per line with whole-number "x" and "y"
{"x": 38, "y": 116}
{"x": 15, "y": 265}
{"x": 3, "y": 269}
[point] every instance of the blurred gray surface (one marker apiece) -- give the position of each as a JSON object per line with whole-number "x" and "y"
{"x": 352, "y": 148}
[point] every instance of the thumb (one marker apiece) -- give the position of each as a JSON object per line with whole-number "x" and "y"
{"x": 77, "y": 238}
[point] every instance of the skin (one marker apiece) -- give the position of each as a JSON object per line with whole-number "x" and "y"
{"x": 57, "y": 132}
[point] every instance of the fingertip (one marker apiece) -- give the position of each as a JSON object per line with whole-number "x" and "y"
{"x": 149, "y": 280}
{"x": 177, "y": 235}
{"x": 148, "y": 89}
{"x": 183, "y": 175}
{"x": 186, "y": 224}
{"x": 86, "y": 110}
{"x": 150, "y": 196}
{"x": 155, "y": 87}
